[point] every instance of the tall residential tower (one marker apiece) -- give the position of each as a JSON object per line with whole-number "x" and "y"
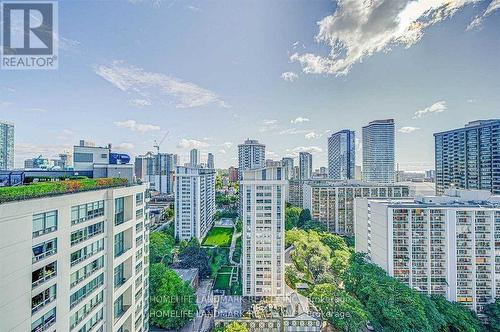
{"x": 263, "y": 236}
{"x": 341, "y": 155}
{"x": 6, "y": 145}
{"x": 469, "y": 157}
{"x": 378, "y": 151}
{"x": 305, "y": 165}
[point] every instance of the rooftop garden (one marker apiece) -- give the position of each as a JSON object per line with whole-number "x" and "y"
{"x": 51, "y": 188}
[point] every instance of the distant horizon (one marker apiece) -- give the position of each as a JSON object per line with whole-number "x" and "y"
{"x": 210, "y": 76}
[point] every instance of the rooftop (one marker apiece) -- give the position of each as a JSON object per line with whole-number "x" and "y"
{"x": 54, "y": 188}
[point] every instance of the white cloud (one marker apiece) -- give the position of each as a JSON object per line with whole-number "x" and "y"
{"x": 194, "y": 9}
{"x": 227, "y": 145}
{"x": 141, "y": 102}
{"x": 407, "y": 130}
{"x": 134, "y": 126}
{"x": 66, "y": 135}
{"x": 289, "y": 76}
{"x": 292, "y": 131}
{"x": 268, "y": 125}
{"x": 437, "y": 107}
{"x": 192, "y": 144}
{"x": 360, "y": 28}
{"x": 126, "y": 146}
{"x": 478, "y": 20}
{"x": 37, "y": 109}
{"x": 129, "y": 78}
{"x": 5, "y": 103}
{"x": 299, "y": 120}
{"x": 295, "y": 151}
{"x": 311, "y": 135}
{"x": 28, "y": 150}
{"x": 222, "y": 151}
{"x": 471, "y": 100}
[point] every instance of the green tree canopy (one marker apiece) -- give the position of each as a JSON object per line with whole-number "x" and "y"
{"x": 174, "y": 301}
{"x": 160, "y": 247}
{"x": 194, "y": 256}
{"x": 292, "y": 214}
{"x": 305, "y": 216}
{"x": 339, "y": 308}
{"x": 457, "y": 317}
{"x": 492, "y": 312}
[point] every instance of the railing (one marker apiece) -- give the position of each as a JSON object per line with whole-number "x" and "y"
{"x": 88, "y": 274}
{"x": 85, "y": 238}
{"x": 81, "y": 259}
{"x": 44, "y": 231}
{"x": 122, "y": 251}
{"x": 44, "y": 279}
{"x": 42, "y": 304}
{"x": 44, "y": 255}
{"x": 45, "y": 326}
{"x": 122, "y": 312}
{"x": 80, "y": 319}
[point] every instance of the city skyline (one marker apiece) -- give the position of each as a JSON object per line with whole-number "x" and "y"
{"x": 133, "y": 95}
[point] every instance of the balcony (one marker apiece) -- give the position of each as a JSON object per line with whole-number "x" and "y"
{"x": 42, "y": 280}
{"x": 42, "y": 304}
{"x": 122, "y": 312}
{"x": 45, "y": 326}
{"x": 44, "y": 255}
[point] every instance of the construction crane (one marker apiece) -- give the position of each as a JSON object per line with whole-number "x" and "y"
{"x": 158, "y": 159}
{"x": 157, "y": 145}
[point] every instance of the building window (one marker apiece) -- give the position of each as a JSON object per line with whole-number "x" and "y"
{"x": 43, "y": 274}
{"x": 139, "y": 198}
{"x": 86, "y": 252}
{"x": 139, "y": 214}
{"x": 44, "y": 322}
{"x": 119, "y": 277}
{"x": 86, "y": 271}
{"x": 83, "y": 292}
{"x": 119, "y": 244}
{"x": 119, "y": 211}
{"x": 118, "y": 308}
{"x": 45, "y": 249}
{"x": 42, "y": 299}
{"x": 44, "y": 223}
{"x": 86, "y": 233}
{"x": 84, "y": 212}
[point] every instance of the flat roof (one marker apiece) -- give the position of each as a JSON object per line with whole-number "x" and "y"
{"x": 56, "y": 188}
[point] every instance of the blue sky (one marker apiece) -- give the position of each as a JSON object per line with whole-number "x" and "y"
{"x": 213, "y": 73}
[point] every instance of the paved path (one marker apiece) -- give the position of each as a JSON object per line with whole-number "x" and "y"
{"x": 233, "y": 247}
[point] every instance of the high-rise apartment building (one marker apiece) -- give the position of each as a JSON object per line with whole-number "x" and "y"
{"x": 251, "y": 154}
{"x": 210, "y": 161}
{"x": 263, "y": 236}
{"x": 194, "y": 202}
{"x": 469, "y": 157}
{"x": 378, "y": 151}
{"x": 341, "y": 155}
{"x": 194, "y": 157}
{"x": 332, "y": 202}
{"x": 158, "y": 170}
{"x": 233, "y": 174}
{"x": 6, "y": 145}
{"x": 78, "y": 261}
{"x": 305, "y": 165}
{"x": 287, "y": 164}
{"x": 445, "y": 245}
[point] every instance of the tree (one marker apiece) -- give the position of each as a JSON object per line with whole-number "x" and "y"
{"x": 156, "y": 273}
{"x": 231, "y": 327}
{"x": 492, "y": 312}
{"x": 168, "y": 214}
{"x": 457, "y": 317}
{"x": 339, "y": 308}
{"x": 160, "y": 247}
{"x": 193, "y": 256}
{"x": 305, "y": 215}
{"x": 391, "y": 304}
{"x": 174, "y": 303}
{"x": 291, "y": 217}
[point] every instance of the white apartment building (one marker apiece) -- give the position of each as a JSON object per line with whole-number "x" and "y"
{"x": 332, "y": 202}
{"x": 194, "y": 202}
{"x": 75, "y": 262}
{"x": 263, "y": 192}
{"x": 446, "y": 245}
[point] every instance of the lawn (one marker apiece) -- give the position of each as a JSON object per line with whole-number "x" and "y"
{"x": 222, "y": 281}
{"x": 218, "y": 236}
